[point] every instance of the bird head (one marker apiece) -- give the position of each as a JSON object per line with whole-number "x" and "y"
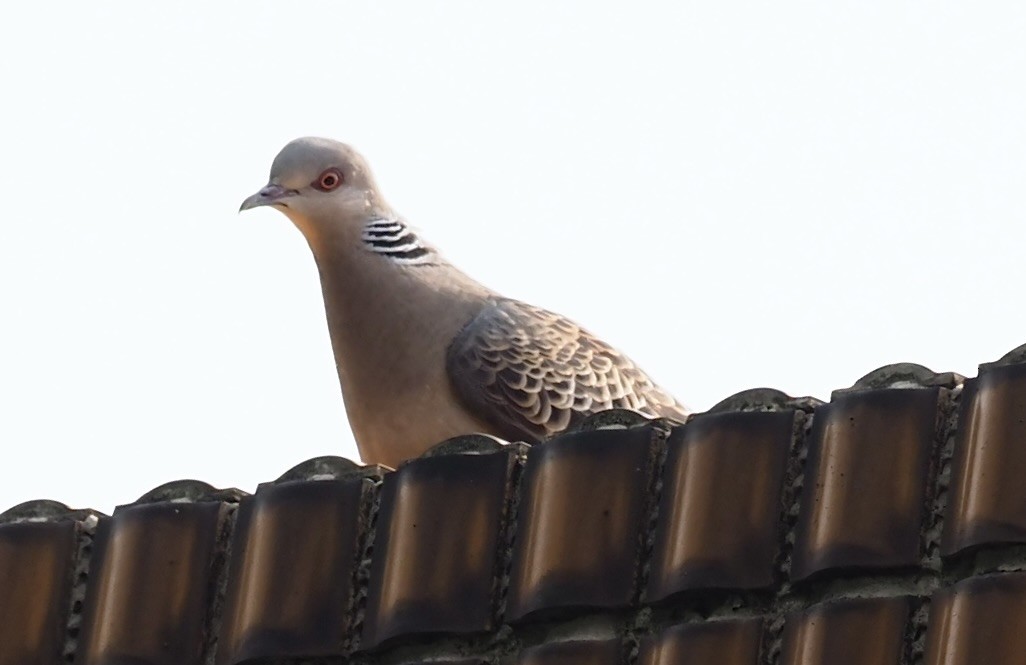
{"x": 318, "y": 182}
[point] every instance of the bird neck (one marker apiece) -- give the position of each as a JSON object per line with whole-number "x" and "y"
{"x": 390, "y": 237}
{"x": 391, "y": 300}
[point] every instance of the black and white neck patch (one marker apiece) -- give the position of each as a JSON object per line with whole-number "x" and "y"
{"x": 393, "y": 239}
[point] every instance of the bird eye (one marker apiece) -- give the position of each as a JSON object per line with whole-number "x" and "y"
{"x": 328, "y": 180}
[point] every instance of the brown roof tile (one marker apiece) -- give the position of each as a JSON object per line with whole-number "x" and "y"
{"x": 719, "y": 521}
{"x": 295, "y": 551}
{"x": 594, "y": 485}
{"x": 866, "y": 479}
{"x": 979, "y": 621}
{"x": 720, "y": 642}
{"x": 153, "y": 579}
{"x": 856, "y": 631}
{"x": 439, "y": 544}
{"x": 447, "y": 661}
{"x": 987, "y": 500}
{"x": 39, "y": 543}
{"x": 579, "y": 652}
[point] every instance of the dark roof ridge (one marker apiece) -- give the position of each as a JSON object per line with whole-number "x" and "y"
{"x": 1016, "y": 356}
{"x": 329, "y": 467}
{"x": 45, "y": 510}
{"x": 190, "y": 491}
{"x": 764, "y": 399}
{"x": 903, "y": 376}
{"x": 467, "y": 444}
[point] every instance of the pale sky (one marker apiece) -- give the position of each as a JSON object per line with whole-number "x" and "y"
{"x": 736, "y": 194}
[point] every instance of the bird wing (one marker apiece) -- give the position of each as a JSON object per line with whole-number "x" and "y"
{"x": 533, "y": 373}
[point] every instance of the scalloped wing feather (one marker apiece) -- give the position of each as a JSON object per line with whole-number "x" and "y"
{"x": 533, "y": 373}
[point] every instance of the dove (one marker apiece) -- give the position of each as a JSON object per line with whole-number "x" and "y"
{"x": 423, "y": 351}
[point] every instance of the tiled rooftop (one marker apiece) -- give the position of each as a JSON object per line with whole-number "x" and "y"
{"x": 887, "y": 526}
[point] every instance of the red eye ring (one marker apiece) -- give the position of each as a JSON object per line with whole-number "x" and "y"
{"x": 328, "y": 180}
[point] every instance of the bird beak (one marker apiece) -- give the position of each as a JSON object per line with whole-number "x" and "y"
{"x": 269, "y": 195}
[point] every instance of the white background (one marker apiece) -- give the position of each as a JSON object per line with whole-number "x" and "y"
{"x": 736, "y": 194}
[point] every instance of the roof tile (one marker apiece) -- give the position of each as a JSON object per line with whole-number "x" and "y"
{"x": 439, "y": 538}
{"x": 987, "y": 500}
{"x": 447, "y": 661}
{"x": 981, "y": 620}
{"x": 865, "y": 482}
{"x": 579, "y": 652}
{"x": 595, "y": 485}
{"x": 294, "y": 556}
{"x": 859, "y": 631}
{"x": 152, "y": 583}
{"x": 719, "y": 512}
{"x": 37, "y": 559}
{"x": 720, "y": 642}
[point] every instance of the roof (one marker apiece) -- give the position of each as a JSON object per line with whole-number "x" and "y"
{"x": 886, "y": 526}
